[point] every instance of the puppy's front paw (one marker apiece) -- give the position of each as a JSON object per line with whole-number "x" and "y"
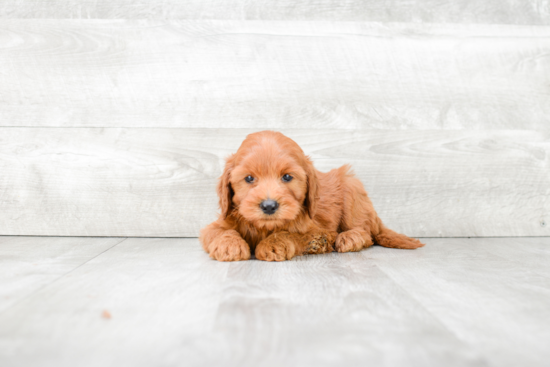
{"x": 278, "y": 246}
{"x": 228, "y": 247}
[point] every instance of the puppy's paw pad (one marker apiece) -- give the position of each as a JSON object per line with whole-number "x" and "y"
{"x": 320, "y": 243}
{"x": 312, "y": 247}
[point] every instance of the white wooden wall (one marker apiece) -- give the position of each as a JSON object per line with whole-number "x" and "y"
{"x": 115, "y": 115}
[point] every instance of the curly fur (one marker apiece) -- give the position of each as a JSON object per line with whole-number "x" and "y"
{"x": 318, "y": 212}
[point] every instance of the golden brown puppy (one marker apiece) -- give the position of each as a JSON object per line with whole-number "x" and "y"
{"x": 275, "y": 203}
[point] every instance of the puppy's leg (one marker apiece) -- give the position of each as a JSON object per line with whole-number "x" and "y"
{"x": 361, "y": 225}
{"x": 224, "y": 244}
{"x": 353, "y": 240}
{"x": 280, "y": 246}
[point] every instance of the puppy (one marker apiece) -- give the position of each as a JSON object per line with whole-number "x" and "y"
{"x": 276, "y": 204}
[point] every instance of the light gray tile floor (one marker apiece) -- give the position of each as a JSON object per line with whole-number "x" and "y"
{"x": 83, "y": 301}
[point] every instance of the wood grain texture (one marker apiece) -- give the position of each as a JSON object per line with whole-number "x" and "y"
{"x": 322, "y": 310}
{"x": 126, "y": 307}
{"x": 30, "y": 263}
{"x": 171, "y": 305}
{"x": 161, "y": 182}
{"x": 533, "y": 253}
{"x": 273, "y": 74}
{"x": 437, "y": 11}
{"x": 454, "y": 302}
{"x": 500, "y": 307}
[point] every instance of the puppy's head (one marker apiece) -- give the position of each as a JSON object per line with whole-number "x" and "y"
{"x": 269, "y": 181}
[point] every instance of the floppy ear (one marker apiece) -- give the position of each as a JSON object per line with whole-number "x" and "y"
{"x": 312, "y": 194}
{"x": 225, "y": 192}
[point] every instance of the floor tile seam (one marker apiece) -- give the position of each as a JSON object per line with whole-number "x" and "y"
{"x": 479, "y": 353}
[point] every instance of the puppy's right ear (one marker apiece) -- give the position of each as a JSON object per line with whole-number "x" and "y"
{"x": 225, "y": 192}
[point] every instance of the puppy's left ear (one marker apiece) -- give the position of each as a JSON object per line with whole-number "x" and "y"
{"x": 312, "y": 194}
{"x": 225, "y": 192}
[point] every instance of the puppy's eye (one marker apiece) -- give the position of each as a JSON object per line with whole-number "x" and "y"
{"x": 249, "y": 179}
{"x": 287, "y": 178}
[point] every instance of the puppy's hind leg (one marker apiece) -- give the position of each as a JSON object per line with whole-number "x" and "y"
{"x": 354, "y": 239}
{"x": 360, "y": 223}
{"x": 358, "y": 215}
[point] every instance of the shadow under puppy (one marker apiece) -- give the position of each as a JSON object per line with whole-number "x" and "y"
{"x": 275, "y": 203}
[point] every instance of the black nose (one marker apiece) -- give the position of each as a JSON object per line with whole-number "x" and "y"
{"x": 269, "y": 206}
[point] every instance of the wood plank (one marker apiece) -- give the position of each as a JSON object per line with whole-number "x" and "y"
{"x": 324, "y": 310}
{"x": 30, "y": 263}
{"x": 169, "y": 304}
{"x": 133, "y": 305}
{"x": 161, "y": 182}
{"x": 501, "y": 308}
{"x": 273, "y": 74}
{"x": 437, "y": 11}
{"x": 531, "y": 253}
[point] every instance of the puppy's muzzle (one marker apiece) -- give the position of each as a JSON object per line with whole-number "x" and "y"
{"x": 269, "y": 206}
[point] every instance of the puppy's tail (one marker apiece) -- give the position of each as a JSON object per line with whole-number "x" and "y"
{"x": 388, "y": 238}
